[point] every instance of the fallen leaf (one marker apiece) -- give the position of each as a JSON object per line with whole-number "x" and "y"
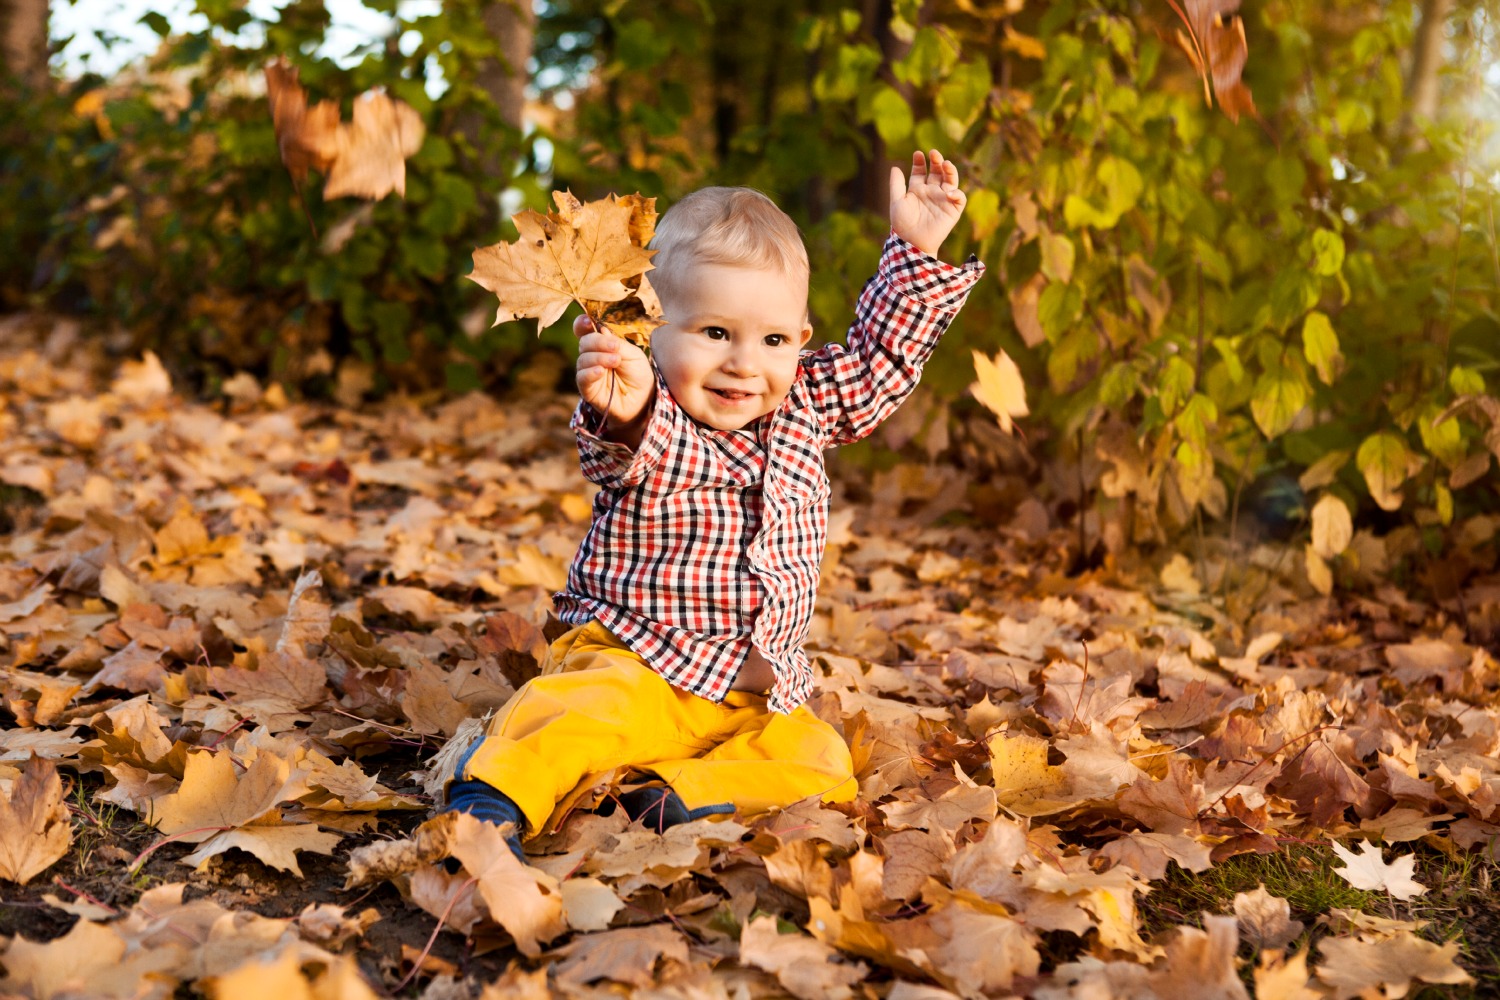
{"x": 366, "y": 159}
{"x": 628, "y": 955}
{"x": 1265, "y": 920}
{"x": 1200, "y": 964}
{"x": 523, "y": 900}
{"x": 1000, "y": 388}
{"x": 35, "y": 830}
{"x": 1352, "y": 966}
{"x": 809, "y": 969}
{"x": 1367, "y": 870}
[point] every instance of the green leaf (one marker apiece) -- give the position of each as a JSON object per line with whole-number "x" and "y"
{"x": 1196, "y": 419}
{"x": 1285, "y": 177}
{"x": 1320, "y": 345}
{"x": 963, "y": 97}
{"x": 1174, "y": 384}
{"x": 1328, "y": 252}
{"x": 1057, "y": 257}
{"x": 1078, "y": 213}
{"x": 1383, "y": 460}
{"x": 1279, "y": 396}
{"x": 983, "y": 212}
{"x": 1057, "y": 308}
{"x": 893, "y": 118}
{"x": 1119, "y": 385}
{"x": 932, "y": 55}
{"x": 1464, "y": 381}
{"x": 1444, "y": 439}
{"x": 1230, "y": 352}
{"x": 157, "y": 22}
{"x": 1122, "y": 185}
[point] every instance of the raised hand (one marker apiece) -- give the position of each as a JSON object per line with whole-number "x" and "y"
{"x": 615, "y": 378}
{"x": 924, "y": 212}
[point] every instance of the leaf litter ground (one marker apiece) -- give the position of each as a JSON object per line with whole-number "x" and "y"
{"x": 239, "y": 634}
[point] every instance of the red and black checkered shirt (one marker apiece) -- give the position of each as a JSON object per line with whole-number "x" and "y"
{"x": 704, "y": 541}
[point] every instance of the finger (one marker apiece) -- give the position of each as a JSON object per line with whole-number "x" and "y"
{"x": 582, "y": 326}
{"x": 918, "y": 166}
{"x": 898, "y": 186}
{"x": 600, "y": 342}
{"x": 598, "y": 359}
{"x": 950, "y": 175}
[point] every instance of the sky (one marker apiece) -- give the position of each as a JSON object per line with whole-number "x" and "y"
{"x": 353, "y": 25}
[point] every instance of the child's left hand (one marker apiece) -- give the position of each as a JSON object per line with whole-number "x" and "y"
{"x": 926, "y": 212}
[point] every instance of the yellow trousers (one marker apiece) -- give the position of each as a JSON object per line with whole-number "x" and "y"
{"x": 597, "y": 707}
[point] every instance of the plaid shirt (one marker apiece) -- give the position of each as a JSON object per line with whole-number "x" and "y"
{"x": 705, "y": 542}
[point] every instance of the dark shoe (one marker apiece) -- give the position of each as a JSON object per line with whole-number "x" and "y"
{"x": 658, "y": 808}
{"x": 485, "y": 802}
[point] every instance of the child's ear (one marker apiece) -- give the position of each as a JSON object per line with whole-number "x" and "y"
{"x": 804, "y": 336}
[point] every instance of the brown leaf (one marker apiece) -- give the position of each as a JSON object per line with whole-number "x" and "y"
{"x": 1265, "y": 920}
{"x": 1353, "y": 966}
{"x": 809, "y": 969}
{"x": 627, "y": 955}
{"x": 523, "y": 900}
{"x": 1201, "y": 964}
{"x": 366, "y": 159}
{"x": 91, "y": 960}
{"x": 557, "y": 260}
{"x": 911, "y": 858}
{"x": 34, "y": 827}
{"x": 1218, "y": 51}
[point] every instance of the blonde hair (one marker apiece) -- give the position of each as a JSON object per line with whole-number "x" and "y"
{"x": 728, "y": 226}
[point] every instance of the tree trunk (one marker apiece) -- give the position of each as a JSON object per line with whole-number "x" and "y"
{"x": 1427, "y": 60}
{"x": 512, "y": 24}
{"x": 23, "y": 40}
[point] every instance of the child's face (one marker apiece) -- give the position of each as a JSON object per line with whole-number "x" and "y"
{"x": 729, "y": 350}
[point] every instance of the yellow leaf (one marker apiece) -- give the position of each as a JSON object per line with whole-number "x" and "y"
{"x": 1000, "y": 388}
{"x": 1332, "y": 526}
{"x": 584, "y": 254}
{"x": 34, "y": 826}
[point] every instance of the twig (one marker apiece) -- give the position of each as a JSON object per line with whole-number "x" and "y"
{"x": 416, "y": 965}
{"x": 57, "y": 880}
{"x": 140, "y": 859}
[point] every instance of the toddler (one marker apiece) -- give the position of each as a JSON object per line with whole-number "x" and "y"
{"x": 692, "y": 593}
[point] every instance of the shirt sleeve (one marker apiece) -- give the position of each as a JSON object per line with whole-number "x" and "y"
{"x": 613, "y": 465}
{"x": 902, "y": 313}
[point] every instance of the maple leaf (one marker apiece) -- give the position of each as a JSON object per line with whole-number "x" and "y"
{"x": 91, "y": 960}
{"x": 1000, "y": 388}
{"x": 1217, "y": 49}
{"x": 1266, "y": 920}
{"x": 220, "y": 808}
{"x": 1353, "y": 967}
{"x": 34, "y": 828}
{"x": 1367, "y": 870}
{"x": 365, "y": 160}
{"x": 523, "y": 900}
{"x": 807, "y": 968}
{"x": 581, "y": 255}
{"x": 627, "y": 955}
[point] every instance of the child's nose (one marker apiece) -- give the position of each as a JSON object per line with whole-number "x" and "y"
{"x": 741, "y": 361}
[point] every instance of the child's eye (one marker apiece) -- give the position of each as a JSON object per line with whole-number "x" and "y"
{"x": 776, "y": 339}
{"x": 716, "y": 333}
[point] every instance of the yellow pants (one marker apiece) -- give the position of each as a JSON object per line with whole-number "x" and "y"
{"x": 598, "y": 707}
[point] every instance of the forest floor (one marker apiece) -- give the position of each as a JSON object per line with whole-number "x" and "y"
{"x": 237, "y": 634}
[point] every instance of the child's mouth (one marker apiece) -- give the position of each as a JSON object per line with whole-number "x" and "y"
{"x": 731, "y": 395}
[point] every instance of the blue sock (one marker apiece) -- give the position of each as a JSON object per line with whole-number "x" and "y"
{"x": 485, "y": 802}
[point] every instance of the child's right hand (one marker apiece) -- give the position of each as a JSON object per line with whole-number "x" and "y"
{"x": 634, "y": 385}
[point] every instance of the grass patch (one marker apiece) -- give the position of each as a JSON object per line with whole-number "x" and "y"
{"x": 1459, "y": 903}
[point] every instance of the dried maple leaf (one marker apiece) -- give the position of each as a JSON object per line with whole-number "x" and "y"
{"x": 1000, "y": 388}
{"x": 523, "y": 900}
{"x": 626, "y": 955}
{"x": 34, "y": 827}
{"x": 809, "y": 969}
{"x": 581, "y": 254}
{"x": 365, "y": 160}
{"x": 219, "y": 808}
{"x": 1359, "y": 967}
{"x": 1266, "y": 920}
{"x": 1367, "y": 870}
{"x": 1218, "y": 51}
